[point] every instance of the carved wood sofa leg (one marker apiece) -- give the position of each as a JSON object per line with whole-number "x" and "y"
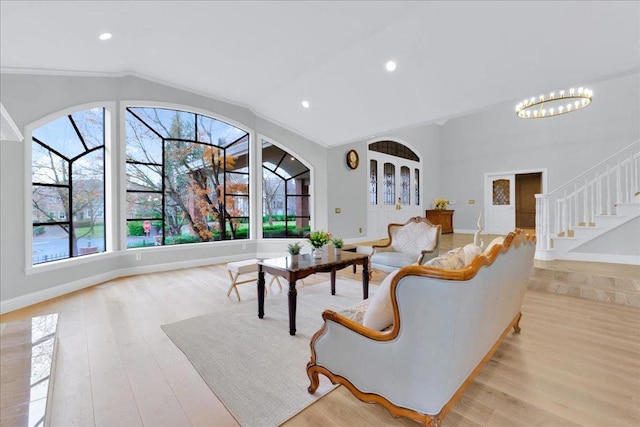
{"x": 313, "y": 377}
{"x": 430, "y": 421}
{"x": 516, "y": 325}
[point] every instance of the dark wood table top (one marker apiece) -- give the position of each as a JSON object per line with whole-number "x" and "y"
{"x": 308, "y": 262}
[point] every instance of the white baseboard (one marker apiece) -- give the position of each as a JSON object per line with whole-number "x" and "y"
{"x": 57, "y": 291}
{"x": 545, "y": 254}
{"x": 608, "y": 258}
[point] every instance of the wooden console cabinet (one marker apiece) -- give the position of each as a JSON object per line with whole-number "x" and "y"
{"x": 442, "y": 217}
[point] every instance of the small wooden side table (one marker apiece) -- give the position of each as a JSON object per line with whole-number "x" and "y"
{"x": 441, "y": 217}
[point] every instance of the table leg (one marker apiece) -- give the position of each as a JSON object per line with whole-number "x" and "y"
{"x": 333, "y": 281}
{"x": 260, "y": 292}
{"x": 293, "y": 296}
{"x": 365, "y": 279}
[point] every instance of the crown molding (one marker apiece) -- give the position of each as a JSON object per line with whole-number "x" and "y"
{"x": 131, "y": 73}
{"x": 54, "y": 72}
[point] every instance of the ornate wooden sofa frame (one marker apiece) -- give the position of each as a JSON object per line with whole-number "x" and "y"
{"x": 415, "y": 241}
{"x": 447, "y": 325}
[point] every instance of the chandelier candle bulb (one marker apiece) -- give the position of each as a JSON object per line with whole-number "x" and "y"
{"x": 554, "y": 103}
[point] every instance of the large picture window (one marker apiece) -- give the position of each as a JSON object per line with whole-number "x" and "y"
{"x": 68, "y": 181}
{"x": 285, "y": 194}
{"x": 187, "y": 178}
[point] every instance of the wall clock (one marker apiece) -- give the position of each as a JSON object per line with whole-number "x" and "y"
{"x": 353, "y": 159}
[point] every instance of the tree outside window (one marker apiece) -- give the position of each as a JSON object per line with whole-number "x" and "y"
{"x": 68, "y": 186}
{"x": 187, "y": 178}
{"x": 285, "y": 194}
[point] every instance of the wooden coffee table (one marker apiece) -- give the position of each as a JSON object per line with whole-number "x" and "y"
{"x": 305, "y": 266}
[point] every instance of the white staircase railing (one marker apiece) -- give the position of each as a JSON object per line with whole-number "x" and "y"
{"x": 595, "y": 192}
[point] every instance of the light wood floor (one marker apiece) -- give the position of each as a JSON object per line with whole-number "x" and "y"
{"x": 577, "y": 362}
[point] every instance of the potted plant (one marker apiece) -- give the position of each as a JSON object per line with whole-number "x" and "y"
{"x": 338, "y": 243}
{"x": 318, "y": 239}
{"x": 294, "y": 249}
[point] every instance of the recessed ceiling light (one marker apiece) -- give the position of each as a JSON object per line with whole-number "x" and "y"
{"x": 390, "y": 66}
{"x": 305, "y": 104}
{"x": 105, "y": 36}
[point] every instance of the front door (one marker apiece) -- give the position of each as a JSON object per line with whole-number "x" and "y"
{"x": 500, "y": 191}
{"x": 394, "y": 192}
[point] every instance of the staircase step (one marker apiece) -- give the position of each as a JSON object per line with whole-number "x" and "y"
{"x": 582, "y": 280}
{"x": 607, "y": 221}
{"x": 584, "y": 224}
{"x": 628, "y": 209}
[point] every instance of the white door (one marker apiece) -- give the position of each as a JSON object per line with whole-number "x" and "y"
{"x": 500, "y": 202}
{"x": 394, "y": 192}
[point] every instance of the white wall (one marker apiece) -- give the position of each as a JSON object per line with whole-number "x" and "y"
{"x": 496, "y": 140}
{"x": 29, "y": 98}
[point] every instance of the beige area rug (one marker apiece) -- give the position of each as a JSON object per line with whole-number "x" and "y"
{"x": 253, "y": 365}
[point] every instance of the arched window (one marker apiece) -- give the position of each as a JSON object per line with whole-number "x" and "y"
{"x": 285, "y": 194}
{"x": 68, "y": 182}
{"x": 187, "y": 178}
{"x": 395, "y": 149}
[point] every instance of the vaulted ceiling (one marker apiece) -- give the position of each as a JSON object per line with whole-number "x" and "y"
{"x": 452, "y": 58}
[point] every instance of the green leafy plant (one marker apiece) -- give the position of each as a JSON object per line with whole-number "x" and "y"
{"x": 294, "y": 248}
{"x": 337, "y": 242}
{"x": 319, "y": 238}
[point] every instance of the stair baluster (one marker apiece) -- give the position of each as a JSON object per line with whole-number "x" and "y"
{"x": 559, "y": 213}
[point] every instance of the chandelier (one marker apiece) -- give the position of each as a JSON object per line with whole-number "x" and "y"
{"x": 554, "y": 104}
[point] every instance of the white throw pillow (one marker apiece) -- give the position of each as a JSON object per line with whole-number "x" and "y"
{"x": 379, "y": 315}
{"x": 452, "y": 260}
{"x": 496, "y": 241}
{"x": 470, "y": 252}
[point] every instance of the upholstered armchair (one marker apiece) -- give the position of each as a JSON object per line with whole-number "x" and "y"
{"x": 416, "y": 241}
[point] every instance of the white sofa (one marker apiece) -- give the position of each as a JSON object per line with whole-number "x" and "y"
{"x": 446, "y": 325}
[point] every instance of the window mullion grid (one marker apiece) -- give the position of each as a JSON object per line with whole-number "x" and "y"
{"x": 75, "y": 127}
{"x": 72, "y": 232}
{"x": 223, "y": 213}
{"x": 147, "y": 126}
{"x": 164, "y": 190}
{"x": 54, "y": 151}
{"x": 286, "y": 208}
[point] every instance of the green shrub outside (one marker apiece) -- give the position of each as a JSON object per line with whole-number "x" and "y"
{"x": 149, "y": 242}
{"x": 265, "y": 218}
{"x": 135, "y": 228}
